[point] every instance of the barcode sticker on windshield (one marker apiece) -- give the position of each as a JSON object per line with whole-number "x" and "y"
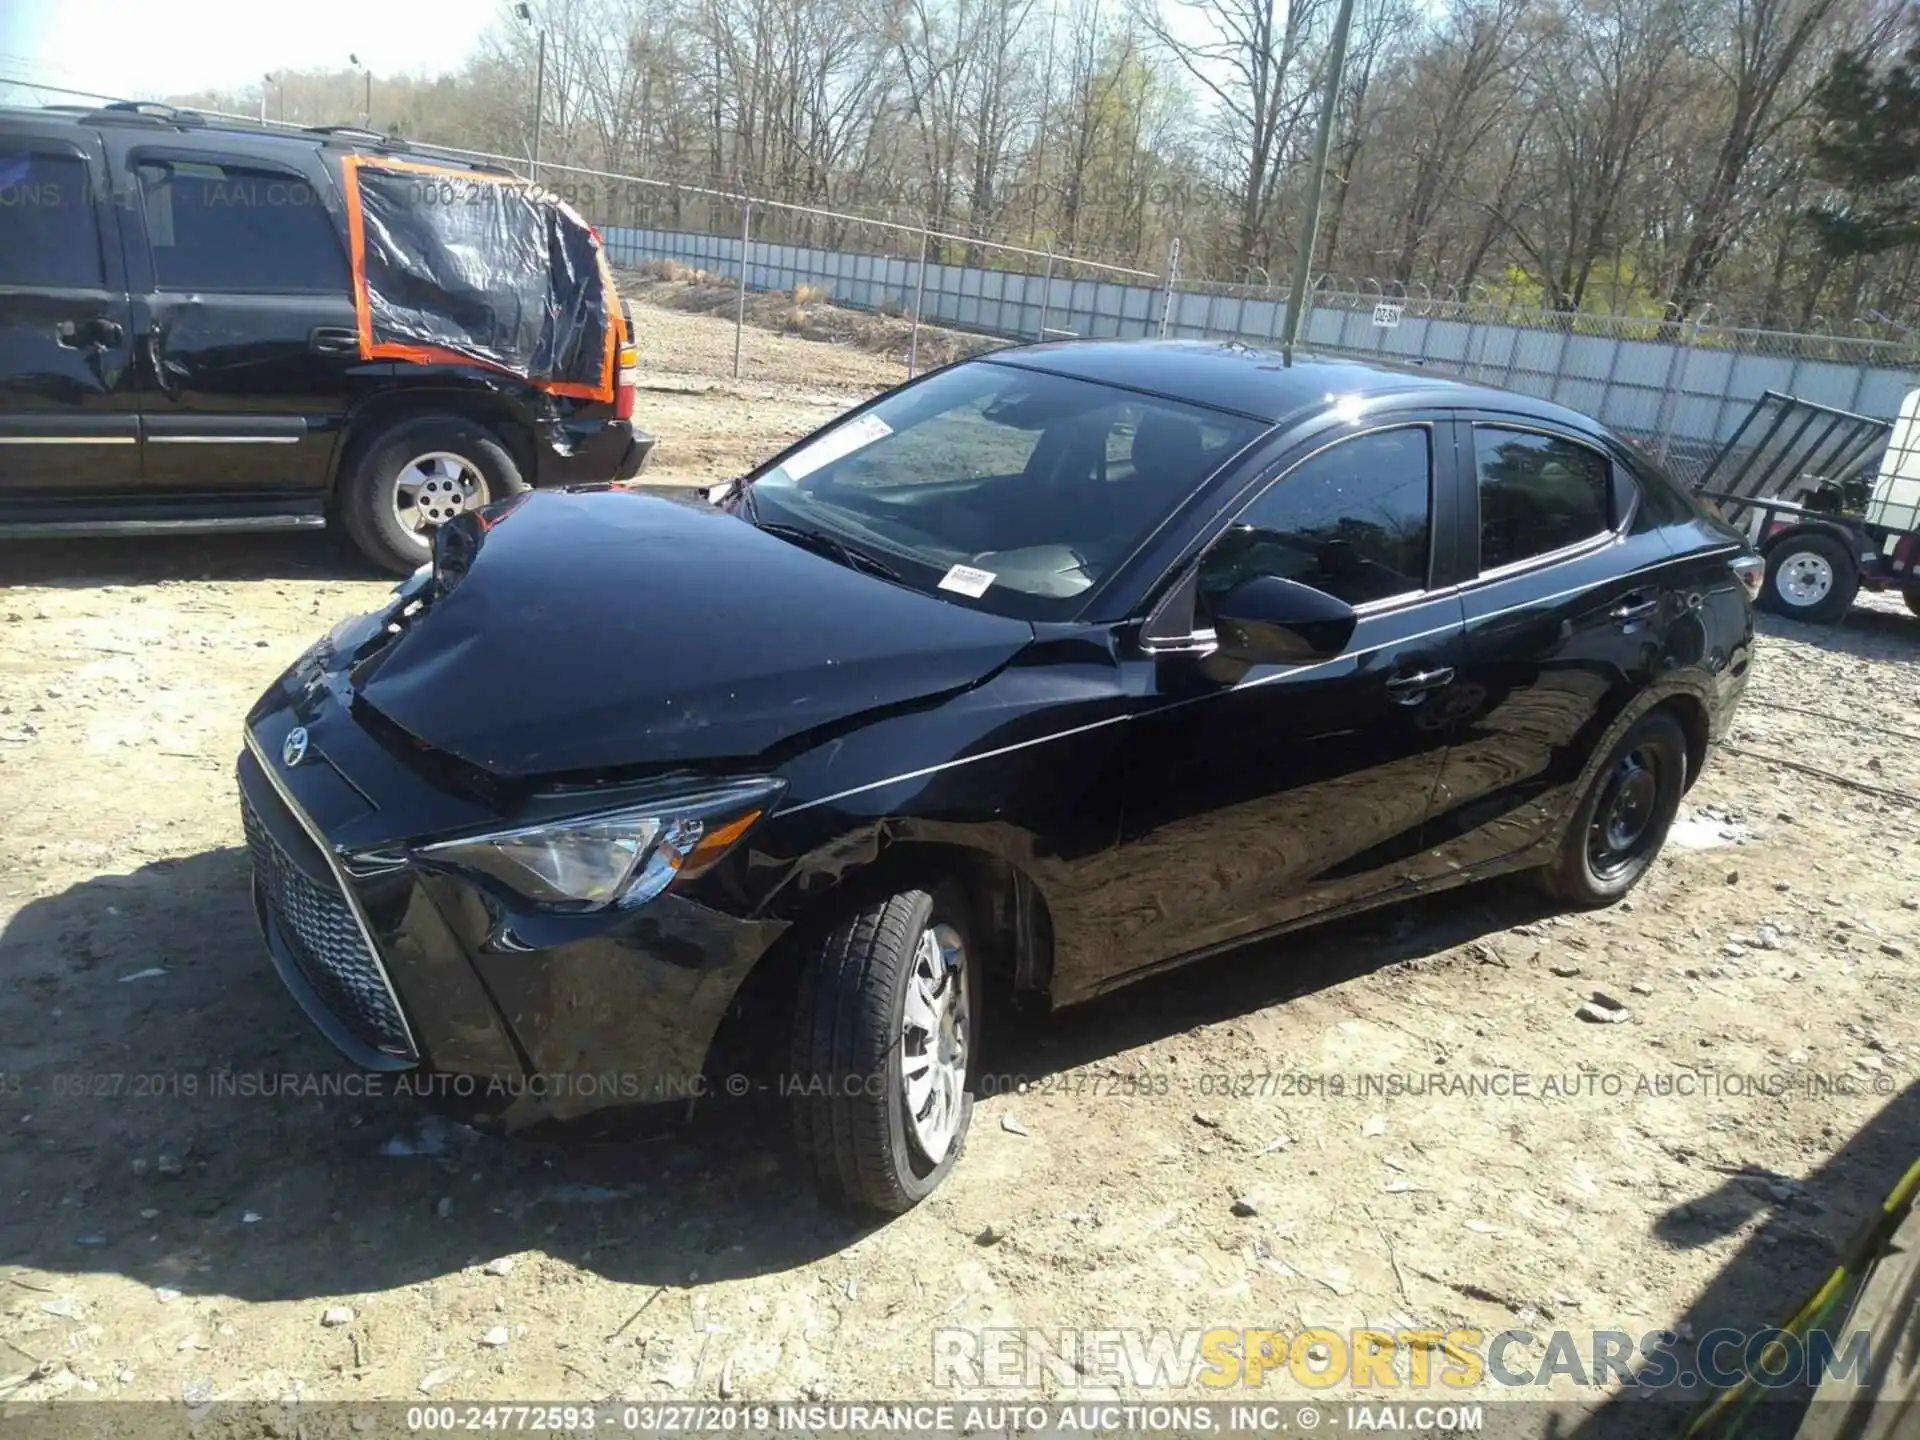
{"x": 968, "y": 581}
{"x": 852, "y": 436}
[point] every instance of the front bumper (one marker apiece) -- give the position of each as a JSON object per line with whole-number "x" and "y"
{"x": 590, "y": 452}
{"x": 401, "y": 966}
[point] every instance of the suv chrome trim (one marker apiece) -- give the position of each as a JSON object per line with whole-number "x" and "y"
{"x": 224, "y": 439}
{"x": 214, "y": 526}
{"x": 305, "y": 822}
{"x": 67, "y": 440}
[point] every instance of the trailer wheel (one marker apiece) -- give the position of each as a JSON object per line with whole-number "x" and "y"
{"x": 1810, "y": 576}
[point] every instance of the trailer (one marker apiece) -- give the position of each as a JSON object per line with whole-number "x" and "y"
{"x": 1830, "y": 498}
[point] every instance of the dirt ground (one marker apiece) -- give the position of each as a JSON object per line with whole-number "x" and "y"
{"x": 168, "y": 1232}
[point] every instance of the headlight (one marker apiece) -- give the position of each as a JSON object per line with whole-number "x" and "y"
{"x": 619, "y": 858}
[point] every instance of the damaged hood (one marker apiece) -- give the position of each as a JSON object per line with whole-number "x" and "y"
{"x": 600, "y": 629}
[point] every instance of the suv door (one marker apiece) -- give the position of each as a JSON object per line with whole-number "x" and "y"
{"x": 243, "y": 316}
{"x": 69, "y": 402}
{"x": 1258, "y": 798}
{"x": 1564, "y": 626}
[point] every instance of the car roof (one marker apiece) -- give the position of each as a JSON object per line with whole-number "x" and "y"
{"x": 1265, "y": 384}
{"x": 241, "y": 134}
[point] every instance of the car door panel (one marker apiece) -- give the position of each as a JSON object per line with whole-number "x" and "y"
{"x": 249, "y": 369}
{"x": 1296, "y": 790}
{"x": 69, "y": 403}
{"x": 1554, "y": 650}
{"x": 1256, "y": 797}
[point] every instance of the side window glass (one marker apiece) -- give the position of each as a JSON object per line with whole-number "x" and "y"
{"x": 226, "y": 228}
{"x": 1538, "y": 493}
{"x": 1354, "y": 520}
{"x": 48, "y": 235}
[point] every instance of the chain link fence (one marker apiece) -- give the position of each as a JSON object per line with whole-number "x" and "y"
{"x": 1679, "y": 386}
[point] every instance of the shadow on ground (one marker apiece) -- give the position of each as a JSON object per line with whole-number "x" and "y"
{"x": 1876, "y": 629}
{"x": 130, "y": 1091}
{"x": 1800, "y": 1224}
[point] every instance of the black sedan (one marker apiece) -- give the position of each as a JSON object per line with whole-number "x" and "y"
{"x": 1047, "y": 671}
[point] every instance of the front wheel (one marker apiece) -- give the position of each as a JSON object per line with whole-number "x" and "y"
{"x": 1623, "y": 819}
{"x": 417, "y": 476}
{"x": 1810, "y": 577}
{"x": 884, "y": 1037}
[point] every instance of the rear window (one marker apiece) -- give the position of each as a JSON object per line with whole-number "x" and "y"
{"x": 47, "y": 232}
{"x": 224, "y": 227}
{"x": 1538, "y": 493}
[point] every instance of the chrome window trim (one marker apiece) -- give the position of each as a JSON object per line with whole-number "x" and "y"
{"x": 305, "y": 822}
{"x": 1192, "y": 640}
{"x": 1599, "y": 540}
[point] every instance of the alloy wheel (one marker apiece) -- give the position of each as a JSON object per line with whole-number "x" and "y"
{"x": 431, "y": 489}
{"x": 933, "y": 1040}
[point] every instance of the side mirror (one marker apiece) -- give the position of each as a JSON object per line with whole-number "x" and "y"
{"x": 1270, "y": 621}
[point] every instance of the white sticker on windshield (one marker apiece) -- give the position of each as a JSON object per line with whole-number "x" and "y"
{"x": 968, "y": 581}
{"x": 852, "y": 436}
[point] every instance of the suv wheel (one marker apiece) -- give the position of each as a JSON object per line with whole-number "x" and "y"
{"x": 1624, "y": 817}
{"x": 1810, "y": 577}
{"x": 884, "y": 1038}
{"x": 417, "y": 476}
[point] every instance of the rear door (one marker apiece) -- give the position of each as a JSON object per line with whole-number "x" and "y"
{"x": 69, "y": 405}
{"x": 1565, "y": 624}
{"x": 243, "y": 315}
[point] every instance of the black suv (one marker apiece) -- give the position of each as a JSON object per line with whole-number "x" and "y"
{"x": 180, "y": 348}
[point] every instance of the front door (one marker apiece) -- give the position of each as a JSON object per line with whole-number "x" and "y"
{"x": 1258, "y": 798}
{"x": 245, "y": 322}
{"x": 69, "y": 401}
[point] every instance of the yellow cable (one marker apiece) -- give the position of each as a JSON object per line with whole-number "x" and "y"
{"x": 1871, "y": 1239}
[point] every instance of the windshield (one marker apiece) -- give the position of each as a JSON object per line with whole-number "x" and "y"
{"x": 1014, "y": 490}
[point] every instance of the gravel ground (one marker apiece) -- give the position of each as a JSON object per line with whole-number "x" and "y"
{"x": 168, "y": 1232}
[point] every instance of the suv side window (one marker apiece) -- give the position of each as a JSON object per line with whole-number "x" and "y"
{"x": 1538, "y": 493}
{"x": 1354, "y": 520}
{"x": 47, "y": 221}
{"x": 224, "y": 227}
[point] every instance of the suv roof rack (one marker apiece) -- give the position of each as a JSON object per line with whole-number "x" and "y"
{"x": 146, "y": 112}
{"x": 353, "y": 132}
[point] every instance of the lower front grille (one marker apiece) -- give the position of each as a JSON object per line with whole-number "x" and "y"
{"x": 319, "y": 929}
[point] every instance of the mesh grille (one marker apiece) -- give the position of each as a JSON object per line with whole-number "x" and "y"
{"x": 325, "y": 940}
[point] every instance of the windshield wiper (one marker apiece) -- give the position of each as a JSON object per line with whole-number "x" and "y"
{"x": 824, "y": 544}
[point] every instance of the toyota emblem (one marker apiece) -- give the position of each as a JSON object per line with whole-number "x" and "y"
{"x": 294, "y": 748}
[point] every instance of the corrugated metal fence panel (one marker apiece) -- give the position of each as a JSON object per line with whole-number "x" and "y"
{"x": 1702, "y": 390}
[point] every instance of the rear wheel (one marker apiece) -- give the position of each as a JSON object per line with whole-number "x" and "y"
{"x": 417, "y": 476}
{"x": 884, "y": 1036}
{"x": 1624, "y": 817}
{"x": 1811, "y": 577}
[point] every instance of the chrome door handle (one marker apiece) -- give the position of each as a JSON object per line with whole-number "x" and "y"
{"x": 1635, "y": 609}
{"x": 1420, "y": 681}
{"x": 331, "y": 340}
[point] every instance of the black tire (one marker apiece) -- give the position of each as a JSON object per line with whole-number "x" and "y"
{"x": 1599, "y": 863}
{"x": 850, "y": 1111}
{"x": 1791, "y": 557}
{"x": 367, "y": 504}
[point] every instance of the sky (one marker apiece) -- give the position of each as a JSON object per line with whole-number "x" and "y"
{"x": 136, "y": 49}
